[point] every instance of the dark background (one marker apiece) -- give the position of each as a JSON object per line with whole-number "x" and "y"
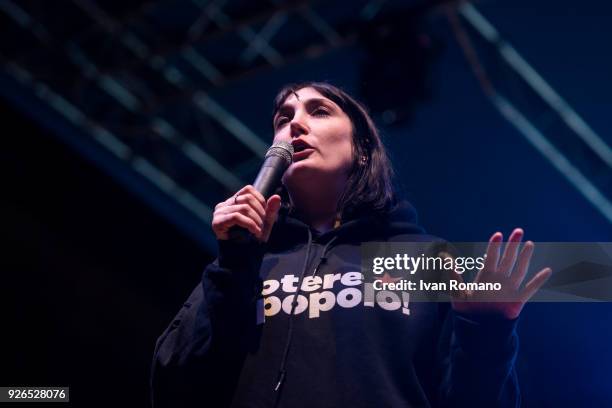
{"x": 93, "y": 272}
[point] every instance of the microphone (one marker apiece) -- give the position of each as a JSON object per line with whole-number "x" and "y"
{"x": 278, "y": 158}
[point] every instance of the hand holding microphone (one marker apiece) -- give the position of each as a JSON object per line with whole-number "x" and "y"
{"x": 246, "y": 209}
{"x": 253, "y": 208}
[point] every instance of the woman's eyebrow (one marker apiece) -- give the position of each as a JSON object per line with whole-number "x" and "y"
{"x": 320, "y": 101}
{"x": 287, "y": 108}
{"x": 284, "y": 108}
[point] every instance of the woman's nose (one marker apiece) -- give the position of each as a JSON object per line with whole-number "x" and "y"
{"x": 298, "y": 127}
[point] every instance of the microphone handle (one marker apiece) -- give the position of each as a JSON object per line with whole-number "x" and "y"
{"x": 266, "y": 183}
{"x": 270, "y": 175}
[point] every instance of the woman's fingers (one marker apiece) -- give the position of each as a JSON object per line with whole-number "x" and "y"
{"x": 522, "y": 266}
{"x": 223, "y": 222}
{"x": 509, "y": 270}
{"x": 490, "y": 264}
{"x": 493, "y": 263}
{"x": 256, "y": 201}
{"x": 272, "y": 207}
{"x": 246, "y": 209}
{"x": 250, "y": 190}
{"x": 509, "y": 258}
{"x": 248, "y": 195}
{"x": 535, "y": 283}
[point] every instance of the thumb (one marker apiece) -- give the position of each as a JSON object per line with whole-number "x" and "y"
{"x": 272, "y": 207}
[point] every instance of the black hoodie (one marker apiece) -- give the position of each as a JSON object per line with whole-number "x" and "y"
{"x": 239, "y": 341}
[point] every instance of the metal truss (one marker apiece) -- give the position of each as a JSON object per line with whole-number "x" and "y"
{"x": 539, "y": 113}
{"x": 138, "y": 81}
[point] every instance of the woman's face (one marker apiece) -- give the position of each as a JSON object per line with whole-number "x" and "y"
{"x": 321, "y": 135}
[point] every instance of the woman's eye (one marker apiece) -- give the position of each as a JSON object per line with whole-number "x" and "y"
{"x": 281, "y": 120}
{"x": 320, "y": 112}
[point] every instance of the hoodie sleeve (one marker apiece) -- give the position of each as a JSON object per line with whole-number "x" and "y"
{"x": 478, "y": 362}
{"x": 197, "y": 359}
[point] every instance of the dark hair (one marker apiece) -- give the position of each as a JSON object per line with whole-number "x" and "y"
{"x": 369, "y": 186}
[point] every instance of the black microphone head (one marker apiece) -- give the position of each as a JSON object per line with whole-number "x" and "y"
{"x": 278, "y": 158}
{"x": 283, "y": 150}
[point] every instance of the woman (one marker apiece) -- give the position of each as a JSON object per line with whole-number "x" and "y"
{"x": 282, "y": 321}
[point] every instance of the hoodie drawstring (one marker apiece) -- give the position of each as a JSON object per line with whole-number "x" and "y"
{"x": 323, "y": 258}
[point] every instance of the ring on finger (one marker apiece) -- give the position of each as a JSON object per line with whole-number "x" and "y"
{"x": 236, "y": 199}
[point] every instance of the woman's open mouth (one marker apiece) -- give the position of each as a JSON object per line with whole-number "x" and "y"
{"x": 302, "y": 154}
